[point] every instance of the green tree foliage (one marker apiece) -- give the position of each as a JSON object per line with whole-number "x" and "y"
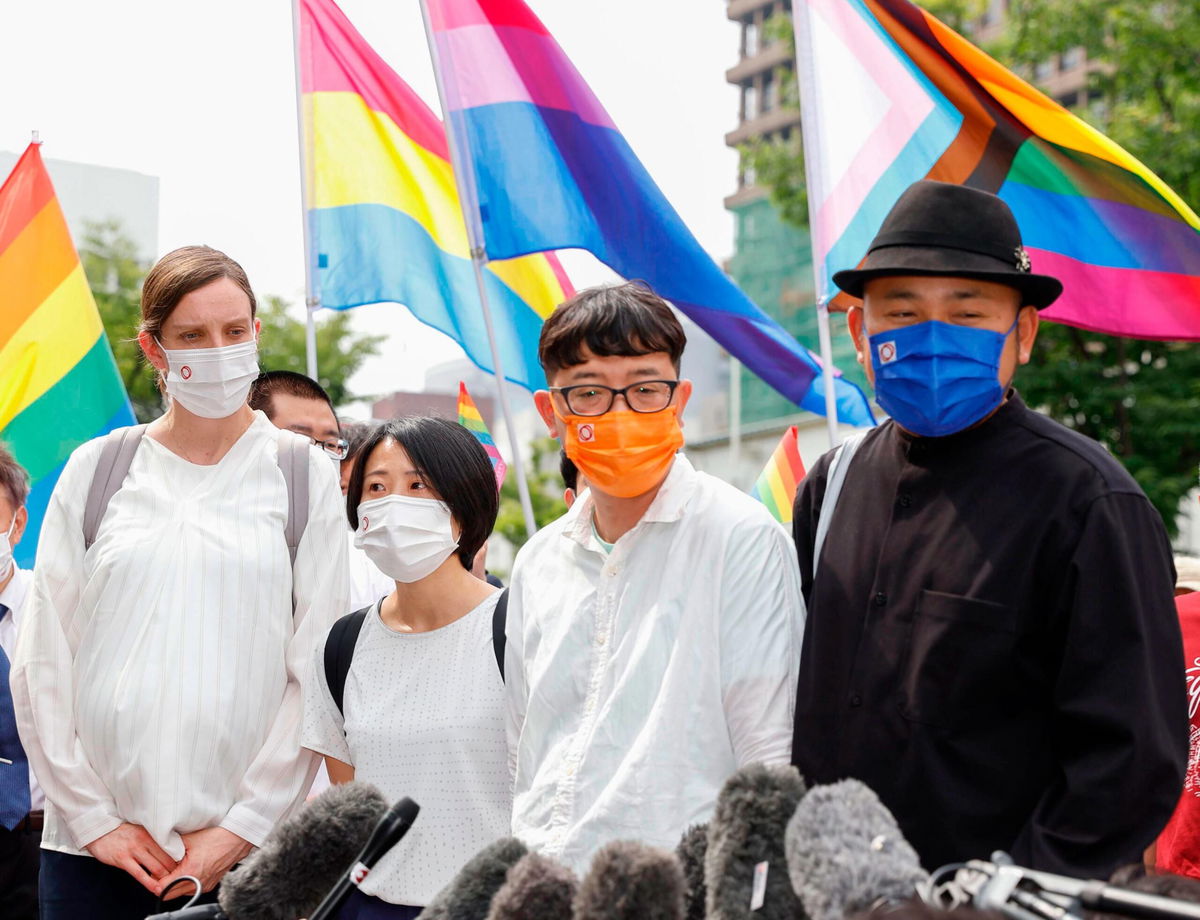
{"x": 1140, "y": 399}
{"x": 545, "y": 493}
{"x": 115, "y": 276}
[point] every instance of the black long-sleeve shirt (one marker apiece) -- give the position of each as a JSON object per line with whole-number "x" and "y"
{"x": 992, "y": 644}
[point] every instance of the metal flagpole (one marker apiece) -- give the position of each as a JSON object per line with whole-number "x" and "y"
{"x": 806, "y": 75}
{"x": 735, "y": 420}
{"x": 470, "y": 210}
{"x": 312, "y": 299}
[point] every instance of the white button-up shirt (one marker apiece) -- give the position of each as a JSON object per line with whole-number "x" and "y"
{"x": 638, "y": 680}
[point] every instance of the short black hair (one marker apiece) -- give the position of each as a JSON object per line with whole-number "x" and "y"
{"x": 263, "y": 390}
{"x": 13, "y": 479}
{"x": 355, "y": 435}
{"x": 454, "y": 463}
{"x": 617, "y": 319}
{"x": 568, "y": 470}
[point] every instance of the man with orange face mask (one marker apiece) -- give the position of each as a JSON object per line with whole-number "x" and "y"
{"x": 653, "y": 631}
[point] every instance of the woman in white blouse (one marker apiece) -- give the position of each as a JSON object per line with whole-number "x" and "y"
{"x": 157, "y": 673}
{"x": 423, "y": 699}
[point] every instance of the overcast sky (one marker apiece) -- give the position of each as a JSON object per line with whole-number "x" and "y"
{"x": 202, "y": 95}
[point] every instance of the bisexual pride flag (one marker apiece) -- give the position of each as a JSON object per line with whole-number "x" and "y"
{"x": 550, "y": 170}
{"x": 384, "y": 216}
{"x": 59, "y": 384}
{"x": 891, "y": 95}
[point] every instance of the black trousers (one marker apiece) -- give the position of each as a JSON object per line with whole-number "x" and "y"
{"x": 19, "y": 873}
{"x": 74, "y": 887}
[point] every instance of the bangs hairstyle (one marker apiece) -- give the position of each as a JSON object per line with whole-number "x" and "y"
{"x": 620, "y": 319}
{"x": 452, "y": 462}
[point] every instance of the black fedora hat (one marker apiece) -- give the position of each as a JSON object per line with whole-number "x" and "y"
{"x": 937, "y": 228}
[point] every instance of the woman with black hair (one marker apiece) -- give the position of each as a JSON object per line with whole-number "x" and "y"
{"x": 422, "y": 704}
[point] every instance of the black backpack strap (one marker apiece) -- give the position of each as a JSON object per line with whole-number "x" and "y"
{"x": 499, "y": 615}
{"x": 339, "y": 649}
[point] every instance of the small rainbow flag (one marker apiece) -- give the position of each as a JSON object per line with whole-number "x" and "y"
{"x": 384, "y": 218}
{"x": 469, "y": 418}
{"x": 59, "y": 384}
{"x": 929, "y": 104}
{"x": 777, "y": 484}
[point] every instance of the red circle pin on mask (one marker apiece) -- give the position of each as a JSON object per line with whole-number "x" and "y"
{"x": 586, "y": 433}
{"x": 185, "y": 372}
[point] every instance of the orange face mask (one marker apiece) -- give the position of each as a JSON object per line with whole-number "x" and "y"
{"x": 623, "y": 453}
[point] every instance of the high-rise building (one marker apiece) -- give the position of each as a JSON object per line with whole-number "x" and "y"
{"x": 772, "y": 260}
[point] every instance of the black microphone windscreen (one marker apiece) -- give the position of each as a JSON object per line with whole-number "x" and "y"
{"x": 845, "y": 852}
{"x": 537, "y": 888}
{"x": 693, "y": 846}
{"x": 631, "y": 881}
{"x": 469, "y": 894}
{"x": 746, "y": 830}
{"x": 304, "y": 856}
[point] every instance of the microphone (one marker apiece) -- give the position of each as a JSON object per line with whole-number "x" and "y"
{"x": 387, "y": 833}
{"x": 631, "y": 881}
{"x": 845, "y": 853}
{"x": 303, "y": 856}
{"x": 537, "y": 888}
{"x": 469, "y": 894}
{"x": 693, "y": 845}
{"x": 1030, "y": 894}
{"x": 745, "y": 867}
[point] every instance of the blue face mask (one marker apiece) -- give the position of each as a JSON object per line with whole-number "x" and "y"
{"x": 937, "y": 378}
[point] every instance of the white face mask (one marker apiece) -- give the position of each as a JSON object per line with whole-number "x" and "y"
{"x": 6, "y": 550}
{"x": 406, "y": 538}
{"x": 211, "y": 382}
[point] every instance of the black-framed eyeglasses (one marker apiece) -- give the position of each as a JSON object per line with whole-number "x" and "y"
{"x": 596, "y": 399}
{"x": 334, "y": 447}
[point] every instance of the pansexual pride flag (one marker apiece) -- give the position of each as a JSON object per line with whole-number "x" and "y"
{"x": 777, "y": 484}
{"x": 59, "y": 385}
{"x": 384, "y": 215}
{"x": 469, "y": 418}
{"x": 891, "y": 95}
{"x": 550, "y": 170}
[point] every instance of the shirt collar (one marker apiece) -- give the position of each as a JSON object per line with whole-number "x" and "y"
{"x": 13, "y": 595}
{"x": 668, "y": 505}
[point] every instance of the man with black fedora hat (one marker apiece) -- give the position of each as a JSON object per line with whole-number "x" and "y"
{"x": 991, "y": 641}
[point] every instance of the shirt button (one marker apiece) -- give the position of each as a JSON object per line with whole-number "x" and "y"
{"x": 880, "y": 599}
{"x": 906, "y": 500}
{"x": 855, "y": 701}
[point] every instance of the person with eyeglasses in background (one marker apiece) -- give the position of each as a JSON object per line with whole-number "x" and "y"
{"x": 294, "y": 402}
{"x": 176, "y": 601}
{"x": 654, "y": 631}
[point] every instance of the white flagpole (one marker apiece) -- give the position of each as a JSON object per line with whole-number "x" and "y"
{"x": 312, "y": 297}
{"x": 806, "y": 76}
{"x": 469, "y": 204}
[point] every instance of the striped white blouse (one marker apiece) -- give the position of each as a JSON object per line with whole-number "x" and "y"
{"x": 157, "y": 677}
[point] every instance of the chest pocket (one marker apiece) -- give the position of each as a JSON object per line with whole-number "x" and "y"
{"x": 957, "y": 666}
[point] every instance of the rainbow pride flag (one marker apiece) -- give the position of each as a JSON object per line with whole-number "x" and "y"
{"x": 777, "y": 484}
{"x": 384, "y": 215}
{"x": 550, "y": 170}
{"x": 925, "y": 103}
{"x": 469, "y": 418}
{"x": 59, "y": 385}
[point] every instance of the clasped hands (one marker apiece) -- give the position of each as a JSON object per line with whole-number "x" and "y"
{"x": 208, "y": 855}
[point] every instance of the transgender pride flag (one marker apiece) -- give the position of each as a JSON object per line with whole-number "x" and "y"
{"x": 547, "y": 169}
{"x": 892, "y": 95}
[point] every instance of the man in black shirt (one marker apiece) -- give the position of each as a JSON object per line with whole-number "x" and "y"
{"x": 991, "y": 640}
